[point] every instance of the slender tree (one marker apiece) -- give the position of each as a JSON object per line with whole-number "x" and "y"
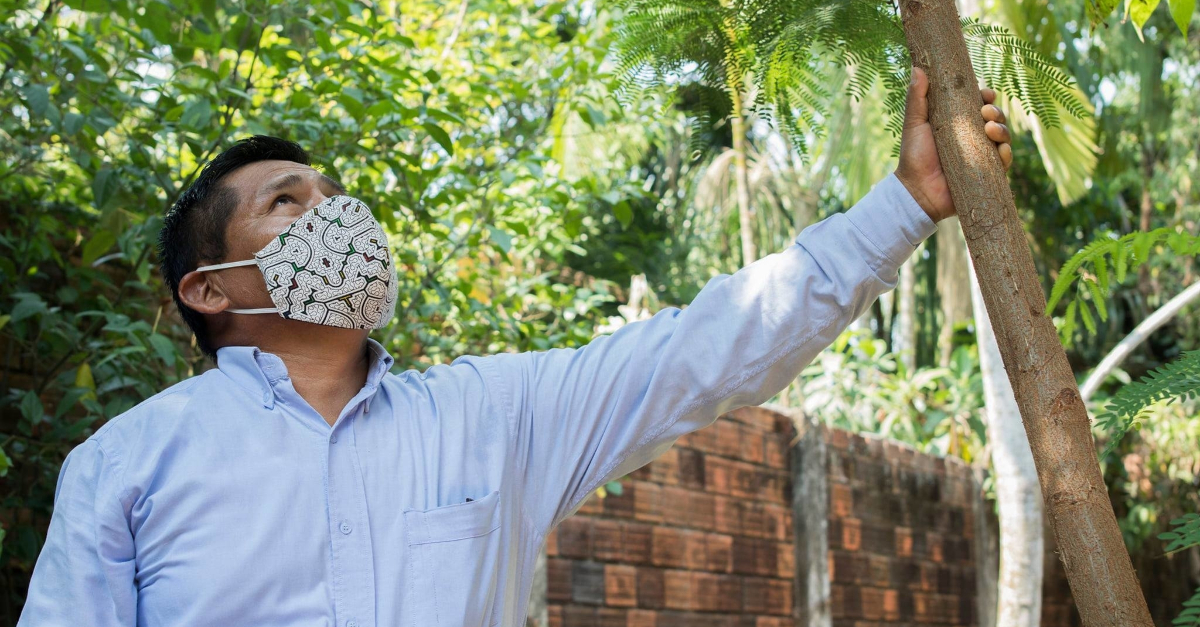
{"x": 1102, "y": 579}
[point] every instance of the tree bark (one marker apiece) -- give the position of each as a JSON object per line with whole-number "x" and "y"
{"x": 1103, "y": 583}
{"x": 1135, "y": 339}
{"x": 1022, "y": 541}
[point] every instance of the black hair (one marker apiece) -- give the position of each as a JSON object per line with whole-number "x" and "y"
{"x": 194, "y": 229}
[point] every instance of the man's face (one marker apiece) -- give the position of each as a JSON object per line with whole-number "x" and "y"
{"x": 270, "y": 196}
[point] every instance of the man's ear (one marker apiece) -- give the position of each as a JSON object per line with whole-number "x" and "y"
{"x": 200, "y": 292}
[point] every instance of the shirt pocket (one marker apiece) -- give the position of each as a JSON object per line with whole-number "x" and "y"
{"x": 455, "y": 557}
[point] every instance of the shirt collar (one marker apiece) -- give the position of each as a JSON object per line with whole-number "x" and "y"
{"x": 258, "y": 371}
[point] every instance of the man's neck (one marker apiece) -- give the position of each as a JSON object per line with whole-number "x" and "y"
{"x": 327, "y": 368}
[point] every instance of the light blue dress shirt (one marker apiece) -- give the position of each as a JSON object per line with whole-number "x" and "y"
{"x": 227, "y": 500}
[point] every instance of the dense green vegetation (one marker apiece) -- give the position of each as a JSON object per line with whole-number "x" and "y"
{"x": 526, "y": 175}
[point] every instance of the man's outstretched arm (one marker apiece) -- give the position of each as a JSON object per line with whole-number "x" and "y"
{"x": 584, "y": 416}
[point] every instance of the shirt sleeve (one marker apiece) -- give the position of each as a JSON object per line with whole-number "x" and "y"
{"x": 85, "y": 573}
{"x": 583, "y": 416}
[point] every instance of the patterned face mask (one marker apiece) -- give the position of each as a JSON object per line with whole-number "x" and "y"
{"x": 331, "y": 266}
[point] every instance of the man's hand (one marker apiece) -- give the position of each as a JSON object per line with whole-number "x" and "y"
{"x": 919, "y": 168}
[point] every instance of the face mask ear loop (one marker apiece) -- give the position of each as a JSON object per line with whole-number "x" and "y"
{"x": 231, "y": 264}
{"x": 265, "y": 310}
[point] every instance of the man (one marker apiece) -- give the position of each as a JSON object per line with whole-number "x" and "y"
{"x": 300, "y": 483}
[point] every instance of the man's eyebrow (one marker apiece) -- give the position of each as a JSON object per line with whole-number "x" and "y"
{"x": 283, "y": 183}
{"x": 333, "y": 183}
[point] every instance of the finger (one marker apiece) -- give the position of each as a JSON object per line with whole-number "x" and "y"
{"x": 997, "y": 132}
{"x": 992, "y": 113}
{"x": 1006, "y": 155}
{"x": 916, "y": 107}
{"x": 989, "y": 95}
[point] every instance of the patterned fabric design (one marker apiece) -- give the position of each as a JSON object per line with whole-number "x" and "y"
{"x": 332, "y": 266}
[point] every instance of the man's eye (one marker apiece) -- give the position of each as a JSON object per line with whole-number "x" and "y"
{"x": 282, "y": 200}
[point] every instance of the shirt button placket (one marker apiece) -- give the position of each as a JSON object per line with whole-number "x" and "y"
{"x": 353, "y": 571}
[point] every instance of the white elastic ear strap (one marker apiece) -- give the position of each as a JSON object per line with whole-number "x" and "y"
{"x": 231, "y": 264}
{"x": 253, "y": 311}
{"x": 236, "y": 264}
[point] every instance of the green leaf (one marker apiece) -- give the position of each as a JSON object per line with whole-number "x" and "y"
{"x": 501, "y": 238}
{"x": 4, "y": 320}
{"x": 1139, "y": 11}
{"x": 97, "y": 245}
{"x": 5, "y": 464}
{"x": 623, "y": 213}
{"x": 164, "y": 347}
{"x": 104, "y": 185}
{"x": 614, "y": 488}
{"x": 1098, "y": 300}
{"x": 440, "y": 136}
{"x": 31, "y": 407}
{"x": 196, "y": 115}
{"x": 72, "y": 122}
{"x": 1182, "y": 11}
{"x": 27, "y": 306}
{"x": 1086, "y": 314}
{"x": 37, "y": 99}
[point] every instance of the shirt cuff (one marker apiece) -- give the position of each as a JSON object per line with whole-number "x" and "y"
{"x": 891, "y": 219}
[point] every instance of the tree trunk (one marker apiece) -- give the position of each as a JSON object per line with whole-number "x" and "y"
{"x": 1019, "y": 602}
{"x": 904, "y": 329}
{"x": 954, "y": 285}
{"x": 742, "y": 182}
{"x": 1103, "y": 583}
{"x": 1136, "y": 337}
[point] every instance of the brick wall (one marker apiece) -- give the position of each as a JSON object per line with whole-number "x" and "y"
{"x": 699, "y": 537}
{"x": 901, "y": 531}
{"x": 703, "y": 537}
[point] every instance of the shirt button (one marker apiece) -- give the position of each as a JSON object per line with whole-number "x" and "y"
{"x": 346, "y": 528}
{"x": 332, "y": 438}
{"x": 351, "y": 623}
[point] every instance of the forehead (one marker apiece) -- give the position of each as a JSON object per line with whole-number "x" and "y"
{"x": 263, "y": 178}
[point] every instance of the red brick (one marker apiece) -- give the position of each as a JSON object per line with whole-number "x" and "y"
{"x": 701, "y": 507}
{"x": 767, "y": 596}
{"x": 695, "y": 551}
{"x": 786, "y": 563}
{"x": 872, "y": 603}
{"x": 851, "y": 534}
{"x": 775, "y": 522}
{"x": 904, "y": 542}
{"x": 691, "y": 468}
{"x": 558, "y": 580}
{"x": 641, "y": 618}
{"x": 675, "y": 506}
{"x": 775, "y": 452}
{"x": 891, "y": 605}
{"x": 728, "y": 436}
{"x": 727, "y": 515}
{"x": 552, "y": 543}
{"x": 704, "y": 440}
{"x": 677, "y": 590}
{"x": 934, "y": 544}
{"x": 841, "y": 500}
{"x": 621, "y": 505}
{"x": 620, "y": 585}
{"x": 750, "y": 445}
{"x": 718, "y": 552}
{"x": 554, "y": 616}
{"x": 668, "y": 547}
{"x": 637, "y": 542}
{"x": 587, "y": 583}
{"x": 579, "y": 616}
{"x": 611, "y": 617}
{"x": 879, "y": 571}
{"x": 647, "y": 501}
{"x": 773, "y": 621}
{"x": 836, "y": 438}
{"x": 717, "y": 473}
{"x": 575, "y": 537}
{"x": 650, "y": 587}
{"x": 607, "y": 543}
{"x": 665, "y": 469}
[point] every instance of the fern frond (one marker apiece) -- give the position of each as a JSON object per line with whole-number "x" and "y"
{"x": 1123, "y": 254}
{"x": 1177, "y": 380}
{"x": 1190, "y": 616}
{"x": 1185, "y": 536}
{"x": 1012, "y": 65}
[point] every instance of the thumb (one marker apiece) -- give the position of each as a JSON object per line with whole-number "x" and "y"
{"x": 916, "y": 106}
